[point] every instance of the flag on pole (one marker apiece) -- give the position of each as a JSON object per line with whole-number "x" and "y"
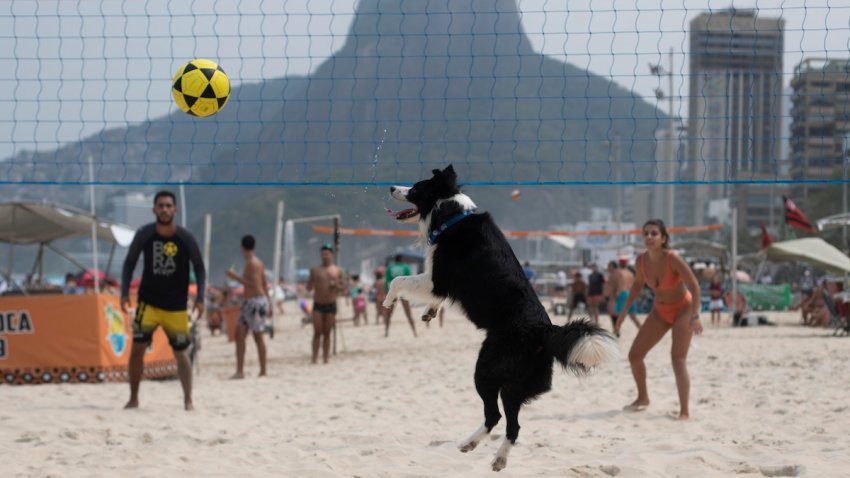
{"x": 795, "y": 218}
{"x": 766, "y": 239}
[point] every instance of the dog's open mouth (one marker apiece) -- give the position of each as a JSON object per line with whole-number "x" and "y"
{"x": 405, "y": 214}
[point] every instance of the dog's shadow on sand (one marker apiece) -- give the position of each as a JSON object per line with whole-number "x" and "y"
{"x": 605, "y": 415}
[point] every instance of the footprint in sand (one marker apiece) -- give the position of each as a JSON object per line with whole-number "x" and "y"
{"x": 436, "y": 443}
{"x": 610, "y": 470}
{"x": 781, "y": 470}
{"x": 28, "y": 437}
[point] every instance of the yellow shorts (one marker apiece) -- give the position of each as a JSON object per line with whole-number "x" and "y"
{"x": 175, "y": 324}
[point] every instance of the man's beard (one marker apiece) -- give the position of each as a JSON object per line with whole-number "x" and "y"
{"x": 165, "y": 223}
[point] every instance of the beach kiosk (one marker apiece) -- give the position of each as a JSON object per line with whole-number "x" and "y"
{"x": 47, "y": 336}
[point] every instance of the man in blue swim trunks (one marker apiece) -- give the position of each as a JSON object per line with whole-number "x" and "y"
{"x": 621, "y": 279}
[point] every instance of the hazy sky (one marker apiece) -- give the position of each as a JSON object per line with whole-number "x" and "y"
{"x": 70, "y": 68}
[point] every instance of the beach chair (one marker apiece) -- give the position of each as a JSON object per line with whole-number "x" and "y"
{"x": 840, "y": 322}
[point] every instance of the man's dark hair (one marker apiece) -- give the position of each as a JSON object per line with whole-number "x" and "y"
{"x": 164, "y": 194}
{"x": 248, "y": 242}
{"x": 398, "y": 258}
{"x": 613, "y": 265}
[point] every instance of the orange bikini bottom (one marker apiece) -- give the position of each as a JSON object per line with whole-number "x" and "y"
{"x": 669, "y": 312}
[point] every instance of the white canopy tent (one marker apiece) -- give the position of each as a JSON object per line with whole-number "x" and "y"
{"x": 28, "y": 223}
{"x": 832, "y": 222}
{"x": 563, "y": 241}
{"x": 812, "y": 250}
{"x": 38, "y": 223}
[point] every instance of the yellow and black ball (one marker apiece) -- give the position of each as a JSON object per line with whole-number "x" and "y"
{"x": 200, "y": 88}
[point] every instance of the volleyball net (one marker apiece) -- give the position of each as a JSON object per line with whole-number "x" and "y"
{"x": 376, "y": 92}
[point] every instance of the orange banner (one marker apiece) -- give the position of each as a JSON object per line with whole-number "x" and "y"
{"x": 72, "y": 338}
{"x": 411, "y": 233}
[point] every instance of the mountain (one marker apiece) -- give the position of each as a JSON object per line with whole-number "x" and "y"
{"x": 406, "y": 93}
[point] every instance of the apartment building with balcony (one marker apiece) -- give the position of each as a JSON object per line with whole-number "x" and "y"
{"x": 820, "y": 127}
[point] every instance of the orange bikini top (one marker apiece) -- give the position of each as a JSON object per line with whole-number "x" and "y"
{"x": 669, "y": 280}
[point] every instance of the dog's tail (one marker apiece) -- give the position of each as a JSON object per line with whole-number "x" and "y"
{"x": 580, "y": 346}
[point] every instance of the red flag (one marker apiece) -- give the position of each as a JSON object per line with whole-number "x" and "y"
{"x": 766, "y": 239}
{"x": 795, "y": 218}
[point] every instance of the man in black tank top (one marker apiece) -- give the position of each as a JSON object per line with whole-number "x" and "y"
{"x": 163, "y": 292}
{"x": 595, "y": 291}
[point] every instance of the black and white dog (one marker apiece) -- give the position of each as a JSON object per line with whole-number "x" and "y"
{"x": 470, "y": 262}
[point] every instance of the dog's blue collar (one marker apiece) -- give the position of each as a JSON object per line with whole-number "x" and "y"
{"x": 433, "y": 235}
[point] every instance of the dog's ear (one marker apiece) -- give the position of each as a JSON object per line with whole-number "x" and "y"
{"x": 449, "y": 174}
{"x": 436, "y": 172}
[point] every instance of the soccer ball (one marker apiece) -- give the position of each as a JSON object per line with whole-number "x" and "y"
{"x": 200, "y": 88}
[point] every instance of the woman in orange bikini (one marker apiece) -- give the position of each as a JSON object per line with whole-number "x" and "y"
{"x": 677, "y": 306}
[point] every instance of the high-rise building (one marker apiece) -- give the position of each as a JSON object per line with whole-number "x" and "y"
{"x": 820, "y": 127}
{"x": 651, "y": 201}
{"x": 735, "y": 107}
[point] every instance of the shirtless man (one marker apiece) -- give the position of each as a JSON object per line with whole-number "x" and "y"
{"x": 622, "y": 280}
{"x": 256, "y": 306}
{"x": 326, "y": 280}
{"x": 579, "y": 294}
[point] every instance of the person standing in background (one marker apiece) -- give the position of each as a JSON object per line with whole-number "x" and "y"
{"x": 380, "y": 293}
{"x": 327, "y": 283}
{"x": 595, "y": 290}
{"x": 256, "y": 306}
{"x": 715, "y": 293}
{"x": 397, "y": 268}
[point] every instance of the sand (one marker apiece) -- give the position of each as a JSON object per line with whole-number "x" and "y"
{"x": 766, "y": 401}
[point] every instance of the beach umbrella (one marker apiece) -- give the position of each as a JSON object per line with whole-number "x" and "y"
{"x": 86, "y": 278}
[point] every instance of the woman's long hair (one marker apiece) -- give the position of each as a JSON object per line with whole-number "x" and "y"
{"x": 661, "y": 227}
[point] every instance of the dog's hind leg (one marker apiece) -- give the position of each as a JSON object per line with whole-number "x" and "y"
{"x": 470, "y": 443}
{"x": 490, "y": 396}
{"x": 431, "y": 311}
{"x": 512, "y": 403}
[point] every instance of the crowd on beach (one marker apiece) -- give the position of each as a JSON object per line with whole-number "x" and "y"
{"x": 593, "y": 292}
{"x": 657, "y": 282}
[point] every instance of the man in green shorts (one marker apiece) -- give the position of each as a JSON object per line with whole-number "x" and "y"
{"x": 397, "y": 268}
